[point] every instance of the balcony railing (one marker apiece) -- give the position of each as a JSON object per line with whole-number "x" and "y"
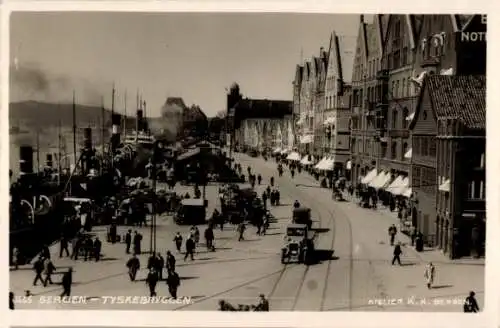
{"x": 383, "y": 75}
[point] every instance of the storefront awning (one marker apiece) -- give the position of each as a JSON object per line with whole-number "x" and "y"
{"x": 327, "y": 165}
{"x": 381, "y": 180}
{"x": 307, "y": 139}
{"x": 294, "y": 156}
{"x": 397, "y": 183}
{"x": 407, "y": 192}
{"x": 409, "y": 153}
{"x": 348, "y": 165}
{"x": 400, "y": 190}
{"x": 410, "y": 117}
{"x": 329, "y": 121}
{"x": 445, "y": 186}
{"x": 369, "y": 176}
{"x": 284, "y": 151}
{"x": 320, "y": 163}
{"x": 307, "y": 160}
{"x": 277, "y": 150}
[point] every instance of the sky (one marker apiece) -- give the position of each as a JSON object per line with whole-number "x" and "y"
{"x": 196, "y": 56}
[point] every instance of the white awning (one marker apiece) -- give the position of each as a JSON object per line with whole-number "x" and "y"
{"x": 401, "y": 189}
{"x": 307, "y": 139}
{"x": 306, "y": 161}
{"x": 407, "y": 192}
{"x": 348, "y": 165}
{"x": 445, "y": 186}
{"x": 277, "y": 150}
{"x": 410, "y": 117}
{"x": 329, "y": 121}
{"x": 408, "y": 153}
{"x": 320, "y": 163}
{"x": 328, "y": 164}
{"x": 369, "y": 177}
{"x": 397, "y": 183}
{"x": 284, "y": 151}
{"x": 294, "y": 156}
{"x": 381, "y": 180}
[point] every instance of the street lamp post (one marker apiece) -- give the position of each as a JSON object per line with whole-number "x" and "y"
{"x": 157, "y": 152}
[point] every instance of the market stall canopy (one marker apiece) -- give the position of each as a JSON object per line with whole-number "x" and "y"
{"x": 405, "y": 184}
{"x": 369, "y": 176}
{"x": 381, "y": 180}
{"x": 395, "y": 185}
{"x": 326, "y": 165}
{"x": 307, "y": 160}
{"x": 407, "y": 192}
{"x": 294, "y": 156}
{"x": 285, "y": 151}
{"x": 277, "y": 150}
{"x": 320, "y": 163}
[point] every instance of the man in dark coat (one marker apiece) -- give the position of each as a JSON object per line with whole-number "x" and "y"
{"x": 67, "y": 280}
{"x": 173, "y": 283}
{"x": 133, "y": 266}
{"x": 128, "y": 241}
{"x": 49, "y": 268}
{"x": 89, "y": 248}
{"x": 392, "y": 233}
{"x": 152, "y": 261}
{"x": 170, "y": 262}
{"x": 137, "y": 243}
{"x": 264, "y": 199}
{"x": 152, "y": 280}
{"x": 209, "y": 238}
{"x": 160, "y": 263}
{"x": 396, "y": 254}
{"x": 178, "y": 241}
{"x": 470, "y": 304}
{"x": 38, "y": 267}
{"x": 190, "y": 247}
{"x": 97, "y": 249}
{"x": 63, "y": 246}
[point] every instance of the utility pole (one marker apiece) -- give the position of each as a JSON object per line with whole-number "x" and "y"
{"x": 102, "y": 134}
{"x": 74, "y": 129}
{"x": 59, "y": 153}
{"x": 125, "y": 116}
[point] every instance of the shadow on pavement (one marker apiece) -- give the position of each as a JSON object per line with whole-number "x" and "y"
{"x": 274, "y": 234}
{"x": 404, "y": 264}
{"x": 441, "y": 286}
{"x": 189, "y": 278}
{"x": 107, "y": 259}
{"x": 321, "y": 230}
{"x": 321, "y": 255}
{"x": 206, "y": 258}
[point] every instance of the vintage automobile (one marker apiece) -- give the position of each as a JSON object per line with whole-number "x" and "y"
{"x": 299, "y": 244}
{"x": 302, "y": 215}
{"x": 191, "y": 211}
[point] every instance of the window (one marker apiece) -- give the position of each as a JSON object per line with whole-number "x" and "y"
{"x": 396, "y": 90}
{"x": 394, "y": 150}
{"x": 353, "y": 145}
{"x": 415, "y": 181}
{"x": 394, "y": 119}
{"x": 383, "y": 150}
{"x": 405, "y": 56}
{"x": 389, "y": 60}
{"x": 397, "y": 59}
{"x": 408, "y": 88}
{"x": 360, "y": 146}
{"x": 424, "y": 115}
{"x": 405, "y": 116}
{"x": 476, "y": 189}
{"x": 404, "y": 149}
{"x": 432, "y": 146}
{"x": 416, "y": 145}
{"x": 424, "y": 146}
{"x": 403, "y": 88}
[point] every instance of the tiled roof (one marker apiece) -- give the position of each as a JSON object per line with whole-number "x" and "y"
{"x": 459, "y": 96}
{"x": 263, "y": 108}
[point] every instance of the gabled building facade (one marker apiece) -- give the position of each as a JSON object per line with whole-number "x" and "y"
{"x": 364, "y": 147}
{"x": 448, "y": 164}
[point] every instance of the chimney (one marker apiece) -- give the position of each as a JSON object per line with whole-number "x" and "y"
{"x": 25, "y": 160}
{"x": 48, "y": 161}
{"x": 87, "y": 138}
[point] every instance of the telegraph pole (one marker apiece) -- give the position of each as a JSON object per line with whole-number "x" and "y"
{"x": 74, "y": 129}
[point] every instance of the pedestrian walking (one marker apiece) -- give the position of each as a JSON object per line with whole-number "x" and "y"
{"x": 137, "y": 243}
{"x": 263, "y": 305}
{"x": 272, "y": 181}
{"x": 292, "y": 173}
{"x": 88, "y": 248}
{"x": 430, "y": 270}
{"x": 38, "y": 267}
{"x": 15, "y": 257}
{"x": 151, "y": 281}
{"x": 63, "y": 246}
{"x": 49, "y": 268}
{"x": 170, "y": 262}
{"x": 67, "y": 281}
{"x": 259, "y": 179}
{"x": 397, "y": 254}
{"x": 97, "y": 249}
{"x": 128, "y": 241}
{"x": 152, "y": 261}
{"x": 209, "y": 238}
{"x": 413, "y": 234}
{"x": 196, "y": 235}
{"x": 190, "y": 247}
{"x": 392, "y": 233}
{"x": 296, "y": 204}
{"x": 241, "y": 230}
{"x": 470, "y": 304}
{"x": 160, "y": 263}
{"x": 133, "y": 266}
{"x": 264, "y": 199}
{"x": 178, "y": 241}
{"x": 173, "y": 283}
{"x": 76, "y": 246}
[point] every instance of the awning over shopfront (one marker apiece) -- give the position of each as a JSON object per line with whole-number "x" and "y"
{"x": 306, "y": 139}
{"x": 408, "y": 154}
{"x": 407, "y": 192}
{"x": 410, "y": 117}
{"x": 329, "y": 121}
{"x": 395, "y": 185}
{"x": 369, "y": 176}
{"x": 293, "y": 156}
{"x": 327, "y": 165}
{"x": 307, "y": 160}
{"x": 445, "y": 186}
{"x": 277, "y": 150}
{"x": 320, "y": 163}
{"x": 284, "y": 151}
{"x": 348, "y": 165}
{"x": 405, "y": 184}
{"x": 381, "y": 180}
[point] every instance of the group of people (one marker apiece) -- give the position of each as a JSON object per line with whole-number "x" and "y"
{"x": 44, "y": 269}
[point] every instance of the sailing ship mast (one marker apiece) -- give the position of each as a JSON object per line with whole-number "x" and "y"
{"x": 59, "y": 152}
{"x": 37, "y": 150}
{"x": 125, "y": 116}
{"x": 74, "y": 130}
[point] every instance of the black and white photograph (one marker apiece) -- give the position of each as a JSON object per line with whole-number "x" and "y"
{"x": 247, "y": 162}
